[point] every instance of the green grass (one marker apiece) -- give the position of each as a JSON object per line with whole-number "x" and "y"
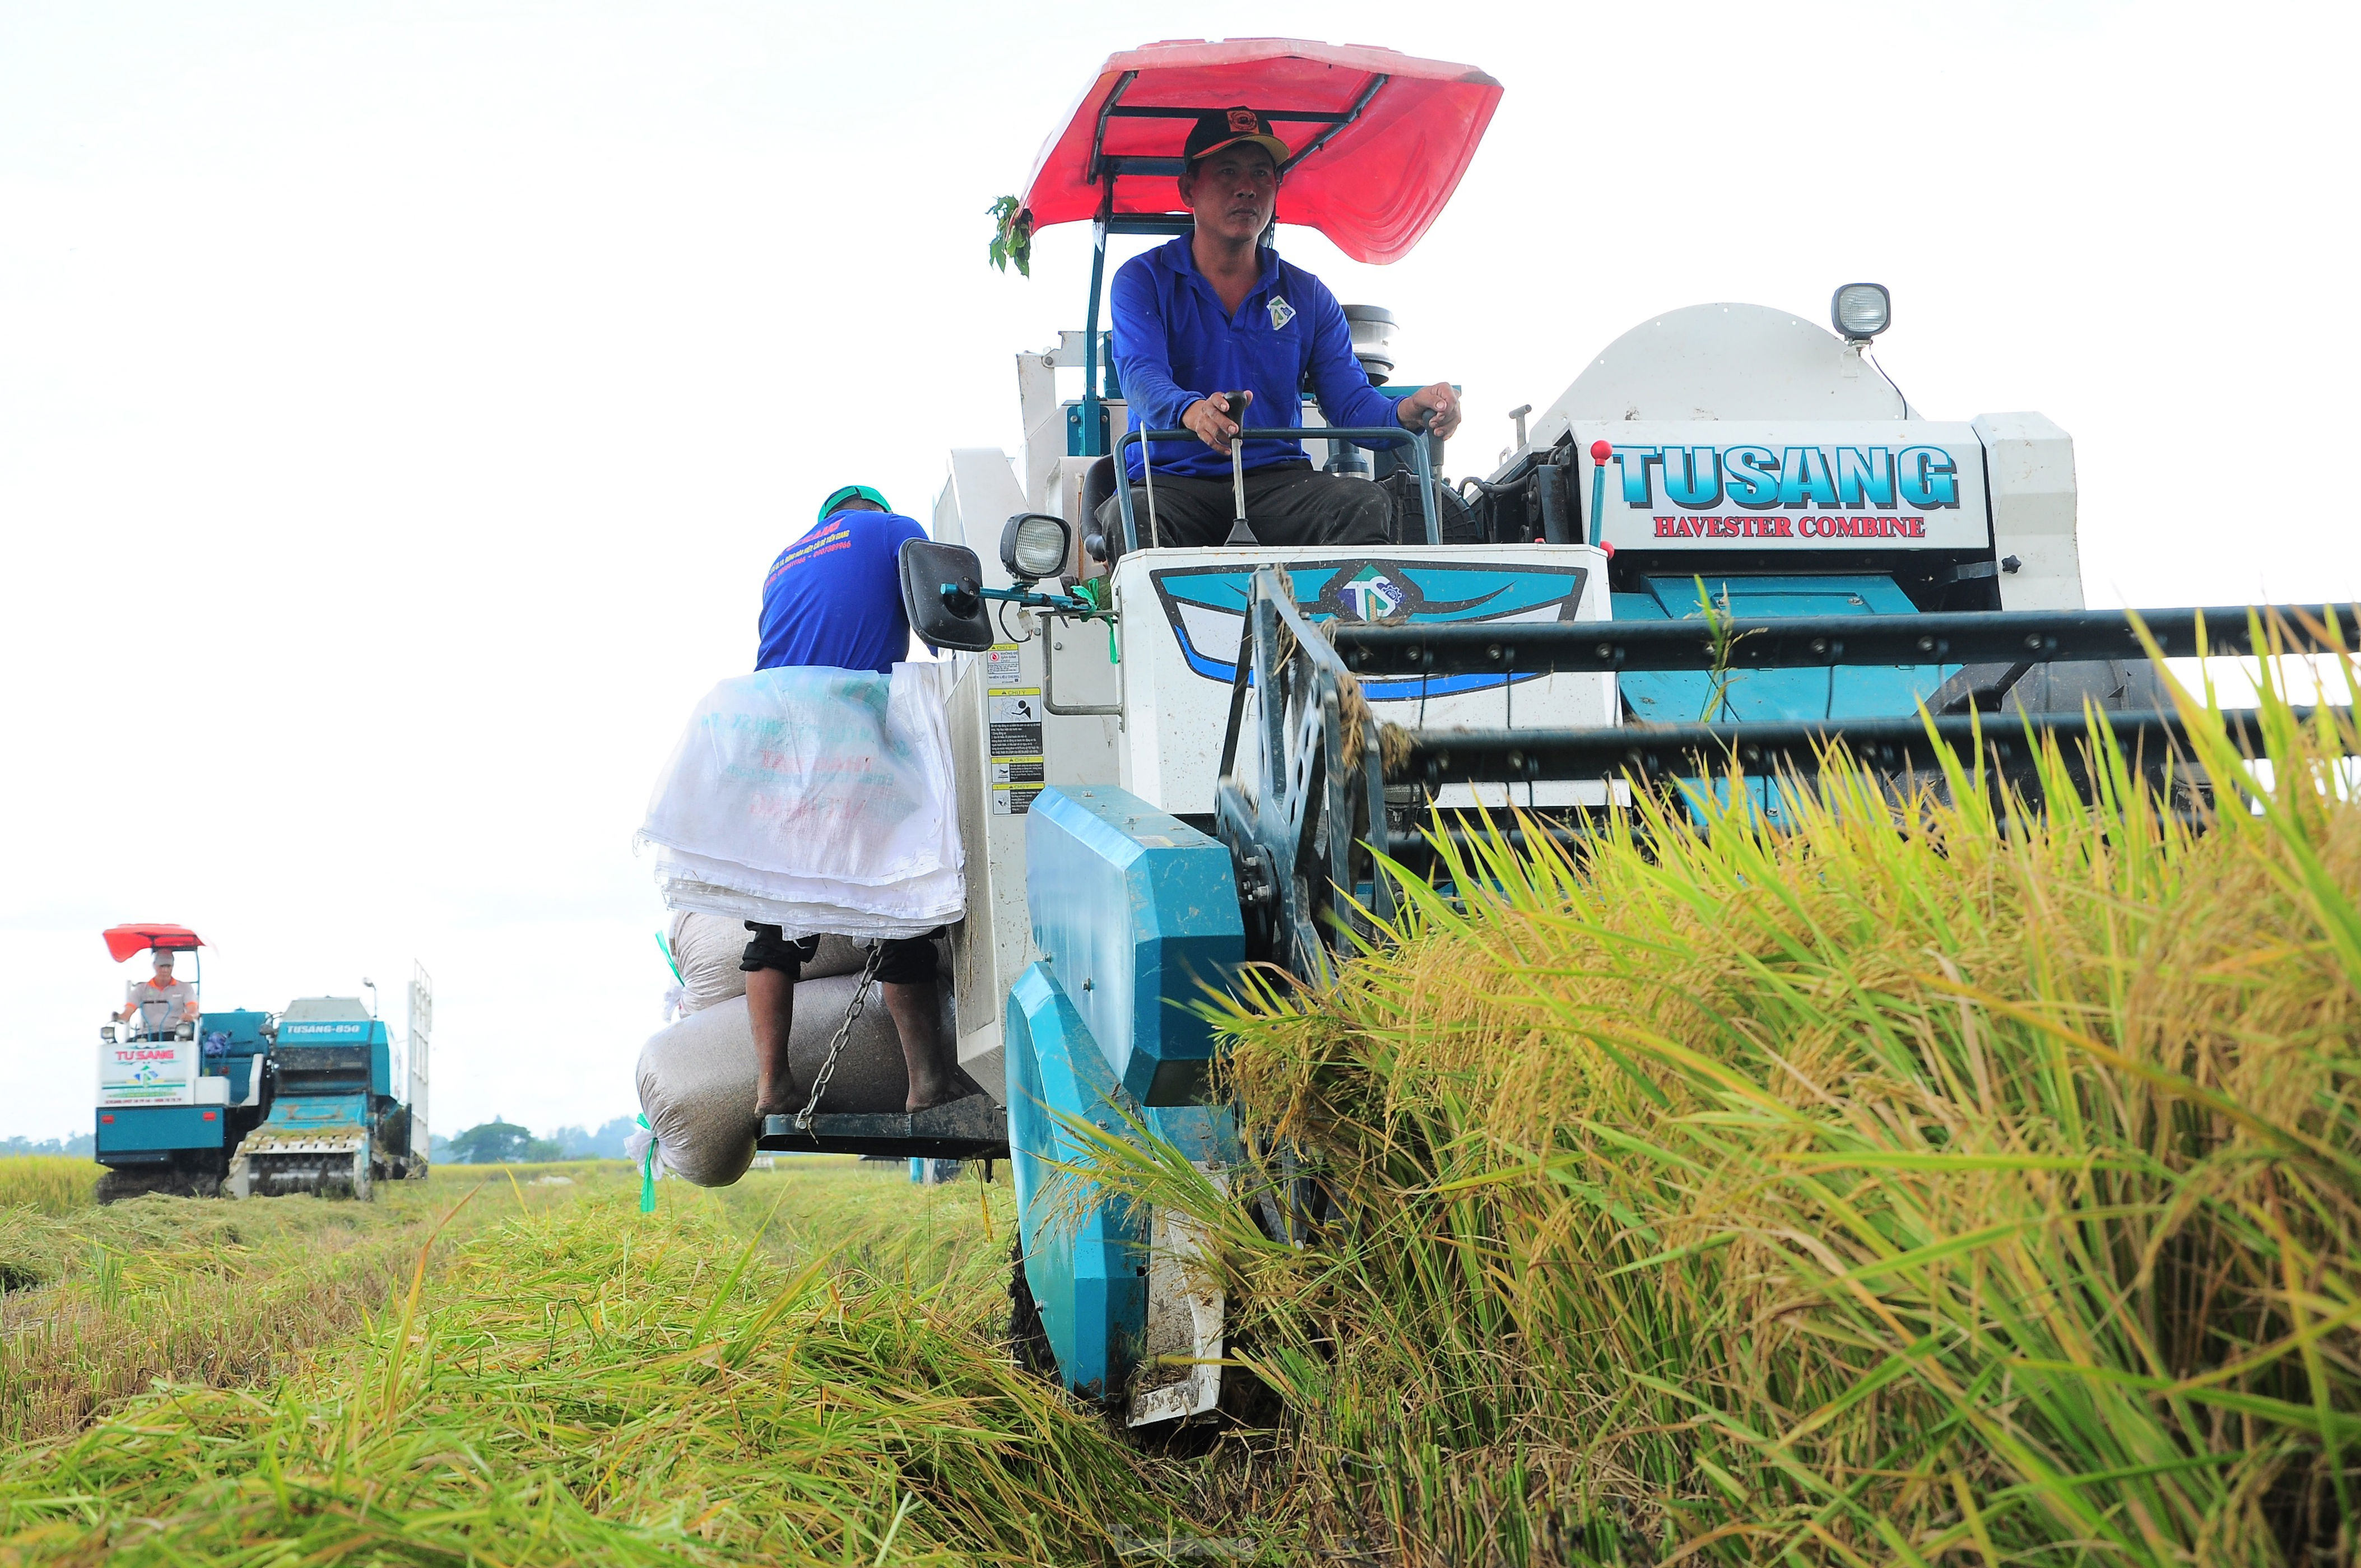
{"x": 581, "y": 1383}
{"x": 48, "y": 1184}
{"x": 951, "y": 1239}
{"x": 106, "y": 1301}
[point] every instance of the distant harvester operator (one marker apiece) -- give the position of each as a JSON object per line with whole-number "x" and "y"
{"x": 161, "y": 1002}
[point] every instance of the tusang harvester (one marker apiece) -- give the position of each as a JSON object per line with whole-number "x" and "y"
{"x": 1730, "y": 541}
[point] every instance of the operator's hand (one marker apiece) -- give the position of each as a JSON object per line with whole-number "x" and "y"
{"x": 1215, "y": 421}
{"x": 1441, "y": 400}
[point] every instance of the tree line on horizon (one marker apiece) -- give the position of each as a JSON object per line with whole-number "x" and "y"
{"x": 496, "y": 1142}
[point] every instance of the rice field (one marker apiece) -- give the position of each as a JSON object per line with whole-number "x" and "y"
{"x": 1937, "y": 1181}
{"x": 48, "y": 1184}
{"x": 1931, "y": 1182}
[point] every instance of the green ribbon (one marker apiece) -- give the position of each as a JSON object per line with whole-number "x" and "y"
{"x": 648, "y": 1174}
{"x": 1098, "y": 593}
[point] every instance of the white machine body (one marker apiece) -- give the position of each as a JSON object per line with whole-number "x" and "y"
{"x": 1739, "y": 380}
{"x": 1184, "y": 615}
{"x": 1729, "y": 427}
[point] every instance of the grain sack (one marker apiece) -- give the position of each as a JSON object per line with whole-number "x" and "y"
{"x": 815, "y": 800}
{"x": 697, "y": 1077}
{"x": 707, "y": 949}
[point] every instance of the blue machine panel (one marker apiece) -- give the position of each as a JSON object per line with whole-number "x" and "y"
{"x": 1680, "y": 697}
{"x": 294, "y": 1039}
{"x": 317, "y": 1113}
{"x": 1134, "y": 912}
{"x": 1086, "y": 1260}
{"x": 157, "y": 1129}
{"x": 234, "y": 1048}
{"x": 1206, "y": 608}
{"x": 1089, "y": 1278}
{"x": 241, "y": 1071}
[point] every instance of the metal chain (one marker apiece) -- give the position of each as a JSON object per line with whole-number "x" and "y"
{"x": 844, "y": 1033}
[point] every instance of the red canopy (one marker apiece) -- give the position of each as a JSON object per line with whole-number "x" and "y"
{"x": 1379, "y": 139}
{"x": 122, "y": 941}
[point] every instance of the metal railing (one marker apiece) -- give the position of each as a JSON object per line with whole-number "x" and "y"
{"x": 1999, "y": 637}
{"x": 1366, "y": 435}
{"x": 2012, "y": 641}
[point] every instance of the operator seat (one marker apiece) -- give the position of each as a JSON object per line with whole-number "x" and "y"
{"x": 1098, "y": 488}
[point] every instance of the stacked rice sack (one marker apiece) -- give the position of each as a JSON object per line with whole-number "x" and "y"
{"x": 822, "y": 801}
{"x": 816, "y": 800}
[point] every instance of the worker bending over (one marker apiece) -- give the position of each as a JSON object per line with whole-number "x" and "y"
{"x": 161, "y": 1002}
{"x": 834, "y": 598}
{"x": 1215, "y": 312}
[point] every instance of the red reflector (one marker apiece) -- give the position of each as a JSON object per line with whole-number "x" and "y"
{"x": 106, "y": 1118}
{"x": 209, "y": 1115}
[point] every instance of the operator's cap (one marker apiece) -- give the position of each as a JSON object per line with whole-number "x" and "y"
{"x": 163, "y": 957}
{"x": 839, "y": 497}
{"x": 1218, "y": 128}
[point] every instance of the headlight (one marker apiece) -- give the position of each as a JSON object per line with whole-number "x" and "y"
{"x": 1034, "y": 546}
{"x": 1862, "y": 311}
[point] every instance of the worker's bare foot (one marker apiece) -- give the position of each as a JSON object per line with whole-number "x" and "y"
{"x": 927, "y": 1096}
{"x": 780, "y": 1102}
{"x": 926, "y": 1060}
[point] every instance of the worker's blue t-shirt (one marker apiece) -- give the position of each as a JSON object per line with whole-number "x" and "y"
{"x": 834, "y": 596}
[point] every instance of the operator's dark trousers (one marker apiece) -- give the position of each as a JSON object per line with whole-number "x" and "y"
{"x": 1284, "y": 506}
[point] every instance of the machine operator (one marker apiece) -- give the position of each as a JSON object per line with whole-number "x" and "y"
{"x": 161, "y": 1002}
{"x": 1215, "y": 312}
{"x": 833, "y": 598}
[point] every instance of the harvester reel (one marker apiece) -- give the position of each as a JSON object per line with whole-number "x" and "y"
{"x": 1299, "y": 822}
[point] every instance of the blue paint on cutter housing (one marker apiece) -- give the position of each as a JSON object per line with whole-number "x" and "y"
{"x": 1132, "y": 910}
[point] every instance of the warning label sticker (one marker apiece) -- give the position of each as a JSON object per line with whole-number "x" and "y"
{"x": 1016, "y": 770}
{"x": 1016, "y": 723}
{"x": 1002, "y": 667}
{"x": 1012, "y": 802}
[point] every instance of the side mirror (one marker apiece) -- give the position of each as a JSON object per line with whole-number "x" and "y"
{"x": 942, "y": 594}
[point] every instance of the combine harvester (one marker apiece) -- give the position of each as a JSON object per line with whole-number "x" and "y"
{"x": 1165, "y": 773}
{"x": 257, "y": 1105}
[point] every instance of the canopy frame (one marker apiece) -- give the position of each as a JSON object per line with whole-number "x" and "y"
{"x": 1341, "y": 105}
{"x": 1106, "y": 170}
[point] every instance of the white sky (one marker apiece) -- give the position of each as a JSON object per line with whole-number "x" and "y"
{"x": 399, "y": 403}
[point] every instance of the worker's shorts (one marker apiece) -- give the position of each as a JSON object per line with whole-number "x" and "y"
{"x": 908, "y": 960}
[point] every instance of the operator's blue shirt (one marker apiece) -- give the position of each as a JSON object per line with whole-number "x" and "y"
{"x": 834, "y": 596}
{"x": 1175, "y": 343}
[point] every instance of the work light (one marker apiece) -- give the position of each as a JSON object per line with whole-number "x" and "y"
{"x": 1862, "y": 311}
{"x": 1033, "y": 545}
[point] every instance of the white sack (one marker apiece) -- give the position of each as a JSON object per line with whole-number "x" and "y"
{"x": 697, "y": 1077}
{"x": 707, "y": 949}
{"x": 800, "y": 797}
{"x": 804, "y": 906}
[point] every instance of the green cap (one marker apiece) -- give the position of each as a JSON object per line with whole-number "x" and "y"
{"x": 853, "y": 493}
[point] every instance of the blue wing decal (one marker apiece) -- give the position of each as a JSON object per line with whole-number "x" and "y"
{"x": 1206, "y": 606}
